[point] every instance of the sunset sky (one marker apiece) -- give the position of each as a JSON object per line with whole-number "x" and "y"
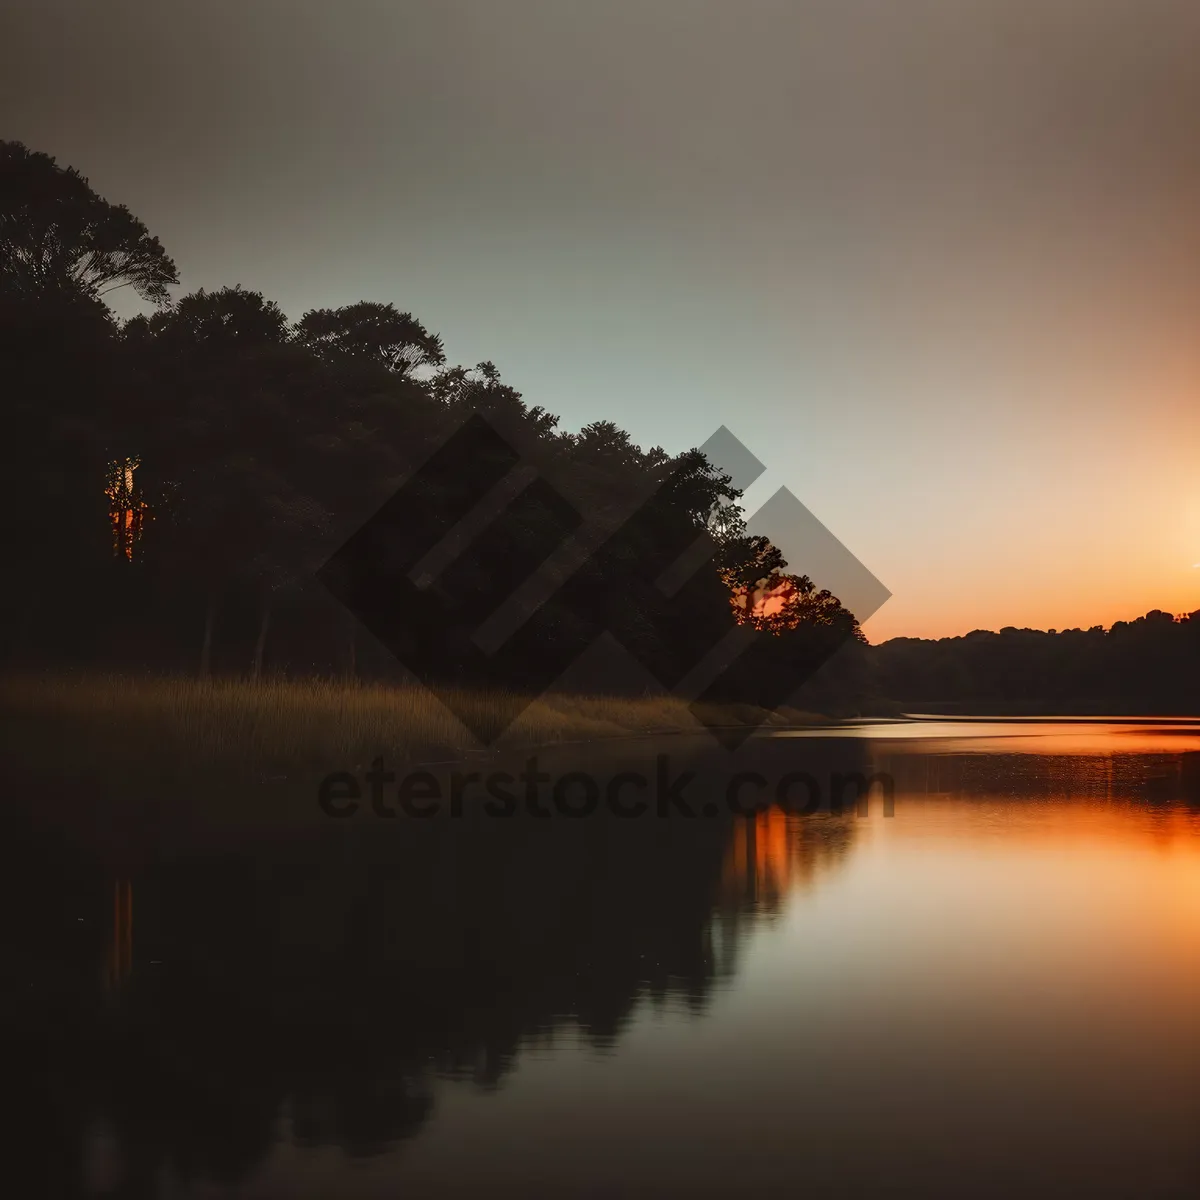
{"x": 936, "y": 263}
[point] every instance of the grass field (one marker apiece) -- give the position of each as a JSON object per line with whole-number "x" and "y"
{"x": 154, "y": 725}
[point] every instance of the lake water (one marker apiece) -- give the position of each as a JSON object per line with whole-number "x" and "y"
{"x": 993, "y": 991}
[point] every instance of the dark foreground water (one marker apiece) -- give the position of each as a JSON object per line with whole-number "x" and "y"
{"x": 994, "y": 991}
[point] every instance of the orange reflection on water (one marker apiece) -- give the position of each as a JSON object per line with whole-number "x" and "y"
{"x": 1101, "y": 893}
{"x": 1015, "y": 735}
{"x": 773, "y": 852}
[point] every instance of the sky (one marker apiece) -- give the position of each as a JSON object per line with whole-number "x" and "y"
{"x": 935, "y": 263}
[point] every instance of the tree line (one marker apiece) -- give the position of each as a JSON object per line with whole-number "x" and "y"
{"x": 176, "y": 481}
{"x": 1150, "y": 665}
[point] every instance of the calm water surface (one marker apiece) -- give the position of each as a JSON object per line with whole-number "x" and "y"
{"x": 993, "y": 992}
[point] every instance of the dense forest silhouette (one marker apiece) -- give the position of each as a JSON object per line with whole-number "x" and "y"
{"x": 1148, "y": 666}
{"x": 177, "y": 481}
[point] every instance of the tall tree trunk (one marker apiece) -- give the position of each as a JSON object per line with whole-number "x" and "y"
{"x": 210, "y": 617}
{"x": 264, "y": 624}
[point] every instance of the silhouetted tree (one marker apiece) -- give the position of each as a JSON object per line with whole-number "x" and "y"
{"x": 462, "y": 390}
{"x": 58, "y": 236}
{"x": 61, "y": 248}
{"x": 374, "y": 331}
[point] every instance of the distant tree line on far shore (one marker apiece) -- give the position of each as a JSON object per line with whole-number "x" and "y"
{"x": 1147, "y": 666}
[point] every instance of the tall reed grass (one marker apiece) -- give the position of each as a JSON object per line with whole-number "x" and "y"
{"x": 97, "y": 723}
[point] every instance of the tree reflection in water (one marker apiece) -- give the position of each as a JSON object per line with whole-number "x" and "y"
{"x": 316, "y": 990}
